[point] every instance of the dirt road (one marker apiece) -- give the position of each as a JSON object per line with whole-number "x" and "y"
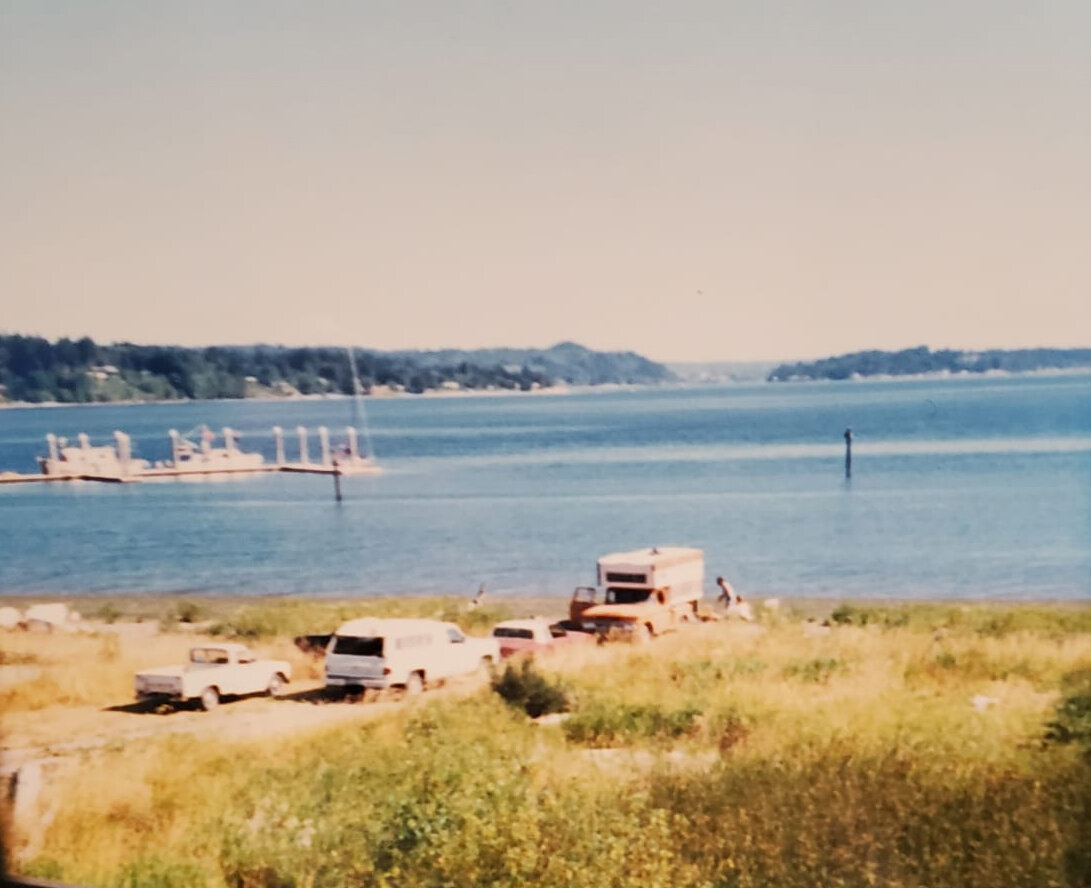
{"x": 61, "y": 732}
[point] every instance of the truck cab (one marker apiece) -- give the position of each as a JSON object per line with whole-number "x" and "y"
{"x": 641, "y": 593}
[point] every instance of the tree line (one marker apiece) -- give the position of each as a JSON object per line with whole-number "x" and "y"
{"x": 36, "y": 370}
{"x": 914, "y": 361}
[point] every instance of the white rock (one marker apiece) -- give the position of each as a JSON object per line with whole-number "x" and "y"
{"x": 981, "y": 703}
{"x": 554, "y": 718}
{"x": 55, "y": 613}
{"x": 10, "y": 617}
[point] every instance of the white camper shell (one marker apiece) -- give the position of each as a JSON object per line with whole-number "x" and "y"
{"x": 382, "y": 653}
{"x": 632, "y": 577}
{"x": 643, "y": 592}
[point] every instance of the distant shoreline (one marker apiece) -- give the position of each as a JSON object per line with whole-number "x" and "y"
{"x": 941, "y": 375}
{"x": 563, "y": 389}
{"x": 291, "y": 399}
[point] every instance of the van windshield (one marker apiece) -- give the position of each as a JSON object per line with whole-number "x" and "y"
{"x": 357, "y": 647}
{"x": 621, "y": 595}
{"x": 512, "y": 632}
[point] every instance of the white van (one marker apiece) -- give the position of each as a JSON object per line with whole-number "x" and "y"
{"x": 383, "y": 653}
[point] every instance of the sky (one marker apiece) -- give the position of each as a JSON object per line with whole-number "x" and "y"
{"x": 695, "y": 181}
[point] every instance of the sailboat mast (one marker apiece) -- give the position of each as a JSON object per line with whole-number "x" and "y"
{"x": 359, "y": 417}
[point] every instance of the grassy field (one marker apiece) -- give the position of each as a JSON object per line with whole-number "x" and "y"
{"x": 96, "y": 667}
{"x": 925, "y": 745}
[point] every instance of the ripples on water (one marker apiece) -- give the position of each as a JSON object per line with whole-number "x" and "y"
{"x": 961, "y": 488}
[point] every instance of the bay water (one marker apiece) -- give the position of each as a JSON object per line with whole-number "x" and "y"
{"x": 962, "y": 488}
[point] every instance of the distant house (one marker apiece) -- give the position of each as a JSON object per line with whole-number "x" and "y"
{"x": 103, "y": 371}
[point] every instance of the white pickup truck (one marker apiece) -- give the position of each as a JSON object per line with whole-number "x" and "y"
{"x": 213, "y": 671}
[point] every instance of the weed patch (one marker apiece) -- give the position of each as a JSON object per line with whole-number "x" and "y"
{"x": 1072, "y": 722}
{"x": 527, "y": 689}
{"x": 817, "y": 671}
{"x": 607, "y": 725}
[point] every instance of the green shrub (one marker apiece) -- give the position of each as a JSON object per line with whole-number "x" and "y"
{"x": 187, "y": 611}
{"x": 1072, "y": 723}
{"x": 990, "y": 621}
{"x": 701, "y": 673}
{"x": 835, "y": 817}
{"x": 108, "y": 612}
{"x": 604, "y": 724}
{"x": 157, "y": 872}
{"x": 816, "y": 671}
{"x": 527, "y": 689}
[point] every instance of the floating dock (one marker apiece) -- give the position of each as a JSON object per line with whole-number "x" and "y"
{"x": 115, "y": 464}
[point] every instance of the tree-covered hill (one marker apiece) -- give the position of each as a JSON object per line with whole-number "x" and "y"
{"x": 914, "y": 361}
{"x": 566, "y": 361}
{"x": 35, "y": 370}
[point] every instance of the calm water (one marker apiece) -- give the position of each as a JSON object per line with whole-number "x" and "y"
{"x": 961, "y": 489}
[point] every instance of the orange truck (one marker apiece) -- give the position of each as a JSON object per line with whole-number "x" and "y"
{"x": 641, "y": 593}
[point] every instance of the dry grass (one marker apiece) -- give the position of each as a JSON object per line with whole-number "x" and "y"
{"x": 746, "y": 756}
{"x": 95, "y": 667}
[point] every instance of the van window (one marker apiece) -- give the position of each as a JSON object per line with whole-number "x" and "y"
{"x": 357, "y": 647}
{"x": 511, "y": 632}
{"x": 455, "y": 637}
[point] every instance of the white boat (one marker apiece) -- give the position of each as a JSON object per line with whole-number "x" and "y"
{"x": 106, "y": 462}
{"x": 186, "y": 456}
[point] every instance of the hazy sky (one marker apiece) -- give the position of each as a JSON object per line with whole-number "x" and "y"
{"x": 693, "y": 180}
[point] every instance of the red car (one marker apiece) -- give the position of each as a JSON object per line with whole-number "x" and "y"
{"x": 535, "y": 636}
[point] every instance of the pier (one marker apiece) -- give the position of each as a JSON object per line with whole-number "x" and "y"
{"x": 115, "y": 463}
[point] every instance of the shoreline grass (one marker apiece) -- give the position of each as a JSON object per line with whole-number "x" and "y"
{"x": 927, "y": 747}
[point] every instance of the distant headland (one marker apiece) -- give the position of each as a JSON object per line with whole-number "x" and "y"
{"x": 922, "y": 361}
{"x": 35, "y": 370}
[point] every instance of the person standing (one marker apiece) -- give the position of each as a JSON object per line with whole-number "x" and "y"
{"x": 734, "y": 603}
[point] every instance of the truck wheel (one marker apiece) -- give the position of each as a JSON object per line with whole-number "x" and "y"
{"x": 276, "y": 686}
{"x": 414, "y": 685}
{"x": 210, "y": 699}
